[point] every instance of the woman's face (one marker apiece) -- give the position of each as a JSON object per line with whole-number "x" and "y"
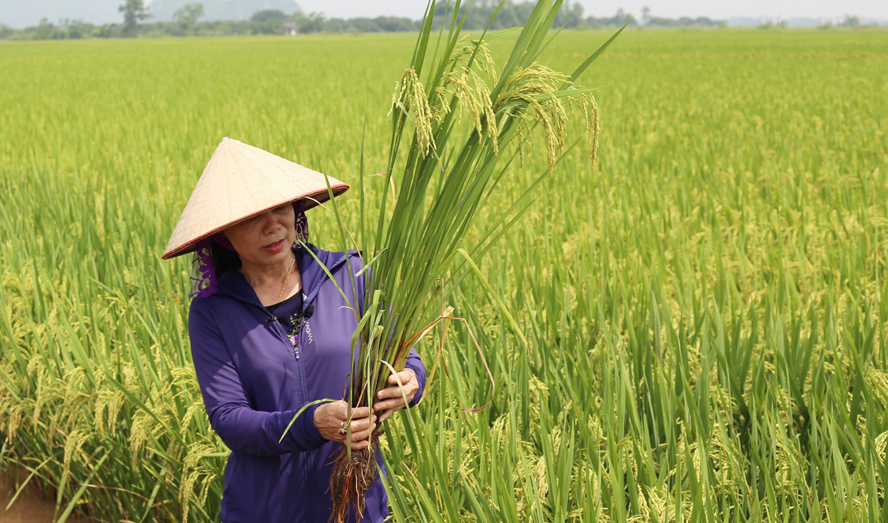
{"x": 265, "y": 239}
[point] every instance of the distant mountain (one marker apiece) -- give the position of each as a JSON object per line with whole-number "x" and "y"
{"x": 26, "y": 13}
{"x": 743, "y": 21}
{"x": 874, "y": 21}
{"x": 20, "y": 14}
{"x": 802, "y": 22}
{"x": 162, "y": 10}
{"x": 739, "y": 21}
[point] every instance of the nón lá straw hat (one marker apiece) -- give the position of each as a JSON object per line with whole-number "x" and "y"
{"x": 239, "y": 182}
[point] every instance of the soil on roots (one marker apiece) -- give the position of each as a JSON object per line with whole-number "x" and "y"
{"x": 351, "y": 478}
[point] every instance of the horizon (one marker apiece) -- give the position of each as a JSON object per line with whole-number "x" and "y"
{"x": 760, "y": 10}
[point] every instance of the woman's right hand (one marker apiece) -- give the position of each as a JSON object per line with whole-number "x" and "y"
{"x": 329, "y": 418}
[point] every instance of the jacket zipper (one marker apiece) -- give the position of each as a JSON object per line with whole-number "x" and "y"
{"x": 278, "y": 330}
{"x": 273, "y": 319}
{"x": 301, "y": 321}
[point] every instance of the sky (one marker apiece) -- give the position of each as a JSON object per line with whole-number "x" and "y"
{"x": 664, "y": 8}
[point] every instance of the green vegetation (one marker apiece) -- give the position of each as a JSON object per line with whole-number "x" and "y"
{"x": 134, "y": 11}
{"x": 186, "y": 22}
{"x": 219, "y": 20}
{"x": 188, "y": 14}
{"x": 165, "y": 10}
{"x": 443, "y": 177}
{"x": 705, "y": 310}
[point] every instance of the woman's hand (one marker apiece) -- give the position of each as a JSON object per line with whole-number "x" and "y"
{"x": 331, "y": 420}
{"x": 391, "y": 398}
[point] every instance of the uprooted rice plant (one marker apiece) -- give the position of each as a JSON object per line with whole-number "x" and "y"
{"x": 442, "y": 183}
{"x": 704, "y": 310}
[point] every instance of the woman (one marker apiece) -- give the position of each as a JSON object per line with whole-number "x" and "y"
{"x": 270, "y": 333}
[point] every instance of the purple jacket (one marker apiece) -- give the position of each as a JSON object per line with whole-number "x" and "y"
{"x": 253, "y": 384}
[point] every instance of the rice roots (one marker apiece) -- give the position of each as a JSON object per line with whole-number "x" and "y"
{"x": 351, "y": 478}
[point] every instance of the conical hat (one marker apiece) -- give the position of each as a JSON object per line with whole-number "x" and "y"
{"x": 239, "y": 182}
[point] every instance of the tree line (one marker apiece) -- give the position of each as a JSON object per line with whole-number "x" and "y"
{"x": 474, "y": 15}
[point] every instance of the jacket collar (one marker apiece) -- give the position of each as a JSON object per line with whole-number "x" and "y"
{"x": 233, "y": 283}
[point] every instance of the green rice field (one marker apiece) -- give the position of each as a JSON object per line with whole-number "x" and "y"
{"x": 705, "y": 309}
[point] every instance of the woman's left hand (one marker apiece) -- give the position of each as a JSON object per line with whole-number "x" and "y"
{"x": 392, "y": 398}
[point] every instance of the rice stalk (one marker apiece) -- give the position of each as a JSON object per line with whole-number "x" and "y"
{"x": 419, "y": 243}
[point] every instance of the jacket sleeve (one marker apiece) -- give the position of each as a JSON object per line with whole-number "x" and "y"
{"x": 415, "y": 364}
{"x": 241, "y": 428}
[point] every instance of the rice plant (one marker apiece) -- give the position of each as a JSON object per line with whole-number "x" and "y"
{"x": 443, "y": 186}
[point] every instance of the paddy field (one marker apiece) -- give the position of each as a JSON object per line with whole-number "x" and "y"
{"x": 705, "y": 309}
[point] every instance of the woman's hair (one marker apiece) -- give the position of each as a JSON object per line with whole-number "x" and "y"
{"x": 224, "y": 259}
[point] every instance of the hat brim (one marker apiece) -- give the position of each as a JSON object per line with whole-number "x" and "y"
{"x": 311, "y": 199}
{"x": 239, "y": 182}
